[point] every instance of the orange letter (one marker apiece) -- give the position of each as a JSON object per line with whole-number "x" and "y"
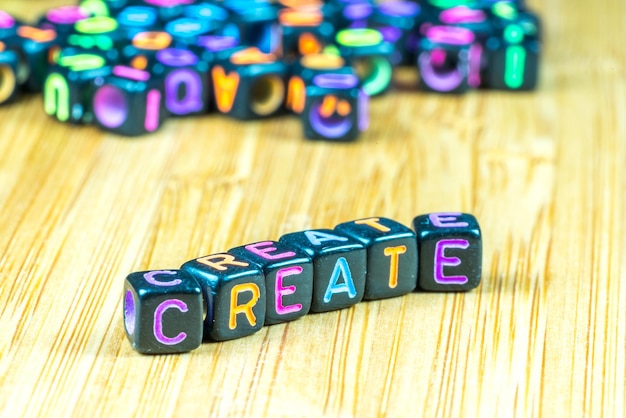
{"x": 225, "y": 88}
{"x": 394, "y": 252}
{"x": 36, "y": 34}
{"x": 296, "y": 95}
{"x": 246, "y": 308}
{"x": 225, "y": 259}
{"x": 308, "y": 44}
{"x": 373, "y": 222}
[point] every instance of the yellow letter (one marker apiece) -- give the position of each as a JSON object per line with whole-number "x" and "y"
{"x": 246, "y": 308}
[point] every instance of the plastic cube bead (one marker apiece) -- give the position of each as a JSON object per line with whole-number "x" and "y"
{"x": 367, "y": 51}
{"x": 234, "y": 292}
{"x": 163, "y": 311}
{"x": 288, "y": 278}
{"x": 250, "y": 85}
{"x": 392, "y": 257}
{"x": 335, "y": 108}
{"x": 9, "y": 67}
{"x": 450, "y": 250}
{"x": 339, "y": 265}
{"x": 186, "y": 81}
{"x": 69, "y": 88}
{"x": 444, "y": 59}
{"x": 129, "y": 102}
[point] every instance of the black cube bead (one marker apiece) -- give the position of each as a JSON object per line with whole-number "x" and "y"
{"x": 33, "y": 47}
{"x": 254, "y": 23}
{"x": 69, "y": 88}
{"x": 513, "y": 58}
{"x": 339, "y": 267}
{"x": 305, "y": 69}
{"x": 163, "y": 311}
{"x": 304, "y": 30}
{"x": 9, "y": 67}
{"x": 288, "y": 278}
{"x": 371, "y": 56}
{"x": 234, "y": 290}
{"x": 450, "y": 251}
{"x": 444, "y": 59}
{"x": 335, "y": 108}
{"x": 129, "y": 102}
{"x": 250, "y": 84}
{"x": 185, "y": 81}
{"x": 391, "y": 256}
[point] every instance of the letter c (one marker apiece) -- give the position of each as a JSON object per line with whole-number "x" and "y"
{"x": 158, "y": 321}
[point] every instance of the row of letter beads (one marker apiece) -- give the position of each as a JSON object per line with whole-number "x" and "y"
{"x": 233, "y": 294}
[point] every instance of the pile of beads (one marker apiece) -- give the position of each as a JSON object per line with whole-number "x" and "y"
{"x": 127, "y": 65}
{"x": 233, "y": 294}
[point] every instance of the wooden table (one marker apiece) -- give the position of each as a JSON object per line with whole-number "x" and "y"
{"x": 544, "y": 335}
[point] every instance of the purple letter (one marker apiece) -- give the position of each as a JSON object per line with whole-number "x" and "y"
{"x": 158, "y": 321}
{"x": 442, "y": 220}
{"x": 149, "y": 276}
{"x": 441, "y": 260}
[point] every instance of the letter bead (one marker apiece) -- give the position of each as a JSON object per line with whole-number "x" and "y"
{"x": 129, "y": 102}
{"x": 185, "y": 79}
{"x": 69, "y": 88}
{"x": 288, "y": 278}
{"x": 335, "y": 109}
{"x": 250, "y": 84}
{"x": 9, "y": 64}
{"x": 392, "y": 257}
{"x": 163, "y": 311}
{"x": 339, "y": 264}
{"x": 234, "y": 291}
{"x": 450, "y": 248}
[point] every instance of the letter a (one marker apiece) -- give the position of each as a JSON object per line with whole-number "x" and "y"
{"x": 341, "y": 268}
{"x": 225, "y": 88}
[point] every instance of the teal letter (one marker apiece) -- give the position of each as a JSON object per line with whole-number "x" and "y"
{"x": 341, "y": 268}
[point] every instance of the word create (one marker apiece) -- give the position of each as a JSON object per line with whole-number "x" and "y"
{"x": 233, "y": 294}
{"x": 127, "y": 66}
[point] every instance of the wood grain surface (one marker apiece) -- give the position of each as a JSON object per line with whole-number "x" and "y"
{"x": 544, "y": 172}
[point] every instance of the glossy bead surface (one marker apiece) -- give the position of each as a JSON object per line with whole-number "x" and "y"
{"x": 371, "y": 57}
{"x": 129, "y": 102}
{"x": 250, "y": 84}
{"x": 69, "y": 88}
{"x": 186, "y": 86}
{"x": 9, "y": 67}
{"x": 444, "y": 58}
{"x": 335, "y": 108}
{"x": 450, "y": 251}
{"x": 234, "y": 291}
{"x": 288, "y": 278}
{"x": 392, "y": 257}
{"x": 339, "y": 264}
{"x": 163, "y": 311}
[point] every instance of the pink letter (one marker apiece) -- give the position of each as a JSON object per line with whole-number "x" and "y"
{"x": 158, "y": 321}
{"x": 441, "y": 260}
{"x": 286, "y": 290}
{"x": 263, "y": 249}
{"x": 442, "y": 220}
